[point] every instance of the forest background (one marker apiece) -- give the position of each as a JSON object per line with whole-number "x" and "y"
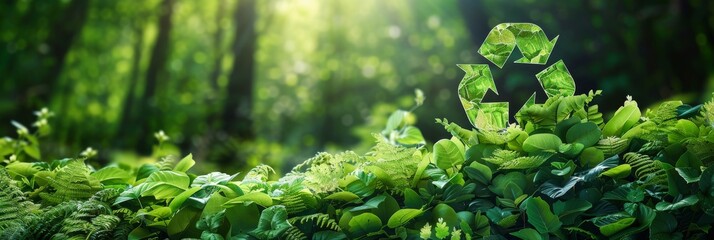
{"x": 243, "y": 82}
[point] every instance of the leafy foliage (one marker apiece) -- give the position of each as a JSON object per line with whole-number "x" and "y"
{"x": 562, "y": 172}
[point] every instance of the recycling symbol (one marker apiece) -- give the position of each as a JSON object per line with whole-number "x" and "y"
{"x": 498, "y": 46}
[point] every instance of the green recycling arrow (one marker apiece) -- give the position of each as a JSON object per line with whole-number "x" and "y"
{"x": 498, "y": 46}
{"x": 529, "y": 38}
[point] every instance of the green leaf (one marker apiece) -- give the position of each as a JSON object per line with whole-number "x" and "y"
{"x": 591, "y": 156}
{"x": 663, "y": 223}
{"x": 259, "y": 198}
{"x": 479, "y": 172}
{"x": 32, "y": 150}
{"x": 540, "y": 216}
{"x": 527, "y": 234}
{"x": 612, "y": 228}
{"x": 112, "y": 175}
{"x": 25, "y": 169}
{"x": 183, "y": 224}
{"x": 272, "y": 223}
{"x": 166, "y": 184}
{"x": 364, "y": 224}
{"x": 686, "y": 202}
{"x": 626, "y": 117}
{"x": 446, "y": 213}
{"x": 412, "y": 199}
{"x": 447, "y": 154}
{"x": 411, "y": 136}
{"x": 343, "y": 196}
{"x": 372, "y": 203}
{"x": 403, "y": 216}
{"x": 706, "y": 181}
{"x": 542, "y": 142}
{"x": 587, "y": 134}
{"x": 212, "y": 179}
{"x": 133, "y": 193}
{"x": 185, "y": 164}
{"x": 621, "y": 171}
{"x": 178, "y": 201}
{"x": 569, "y": 210}
{"x": 501, "y": 181}
{"x": 512, "y": 191}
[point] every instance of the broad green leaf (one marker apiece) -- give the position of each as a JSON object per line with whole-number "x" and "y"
{"x": 447, "y": 154}
{"x": 567, "y": 211}
{"x": 686, "y": 202}
{"x": 412, "y": 199}
{"x": 541, "y": 142}
{"x": 479, "y": 172}
{"x": 185, "y": 164}
{"x": 663, "y": 223}
{"x": 500, "y": 182}
{"x": 527, "y": 234}
{"x": 587, "y": 133}
{"x": 612, "y": 228}
{"x": 272, "y": 223}
{"x": 481, "y": 225}
{"x": 364, "y": 224}
{"x": 512, "y": 191}
{"x": 243, "y": 218}
{"x": 343, "y": 196}
{"x": 112, "y": 175}
{"x": 626, "y": 117}
{"x": 411, "y": 136}
{"x": 561, "y": 129}
{"x": 212, "y": 179}
{"x": 621, "y": 171}
{"x": 133, "y": 193}
{"x": 178, "y": 201}
{"x": 706, "y": 182}
{"x": 183, "y": 224}
{"x": 259, "y": 198}
{"x": 372, "y": 203}
{"x": 25, "y": 169}
{"x": 403, "y": 216}
{"x": 502, "y": 218}
{"x": 446, "y": 213}
{"x": 166, "y": 184}
{"x": 590, "y": 157}
{"x": 540, "y": 216}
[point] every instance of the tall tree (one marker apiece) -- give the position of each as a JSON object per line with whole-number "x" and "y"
{"x": 154, "y": 73}
{"x": 237, "y": 120}
{"x": 124, "y": 131}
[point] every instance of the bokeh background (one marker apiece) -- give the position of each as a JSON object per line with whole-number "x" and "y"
{"x": 243, "y": 82}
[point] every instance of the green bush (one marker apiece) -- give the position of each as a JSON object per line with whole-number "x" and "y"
{"x": 562, "y": 172}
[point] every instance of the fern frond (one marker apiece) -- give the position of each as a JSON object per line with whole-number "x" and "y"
{"x": 298, "y": 202}
{"x": 72, "y": 182}
{"x": 166, "y": 163}
{"x": 49, "y": 223}
{"x": 320, "y": 220}
{"x": 528, "y": 162}
{"x": 294, "y": 233}
{"x": 500, "y": 156}
{"x": 646, "y": 169}
{"x": 594, "y": 115}
{"x": 651, "y": 148}
{"x": 259, "y": 173}
{"x": 398, "y": 162}
{"x": 13, "y": 204}
{"x": 612, "y": 146}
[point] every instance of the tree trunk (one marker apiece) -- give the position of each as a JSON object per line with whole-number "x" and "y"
{"x": 155, "y": 72}
{"x": 237, "y": 120}
{"x": 125, "y": 131}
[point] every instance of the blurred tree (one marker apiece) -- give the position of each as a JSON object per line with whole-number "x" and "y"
{"x": 238, "y": 106}
{"x": 155, "y": 74}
